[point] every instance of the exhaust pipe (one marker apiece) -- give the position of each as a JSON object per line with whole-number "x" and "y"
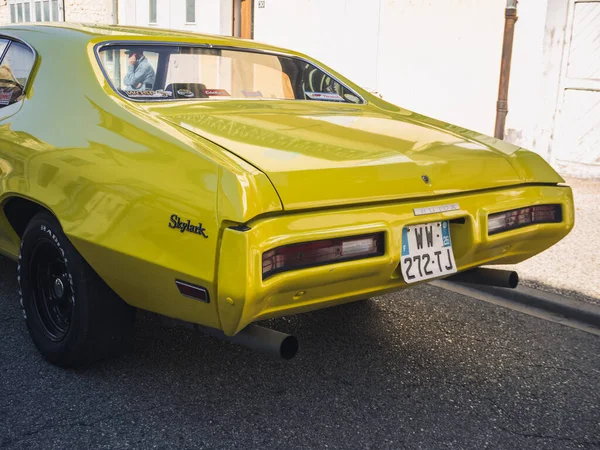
{"x": 255, "y": 337}
{"x": 488, "y": 277}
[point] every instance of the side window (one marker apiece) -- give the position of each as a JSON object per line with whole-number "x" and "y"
{"x": 15, "y": 69}
{"x": 317, "y": 85}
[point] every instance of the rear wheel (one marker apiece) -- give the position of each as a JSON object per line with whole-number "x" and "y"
{"x": 73, "y": 317}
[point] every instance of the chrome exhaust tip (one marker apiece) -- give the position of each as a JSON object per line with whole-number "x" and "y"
{"x": 488, "y": 277}
{"x": 273, "y": 342}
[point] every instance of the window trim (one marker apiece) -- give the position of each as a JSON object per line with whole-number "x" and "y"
{"x": 34, "y": 66}
{"x": 98, "y": 47}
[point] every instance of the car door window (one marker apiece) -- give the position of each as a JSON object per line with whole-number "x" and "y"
{"x": 15, "y": 69}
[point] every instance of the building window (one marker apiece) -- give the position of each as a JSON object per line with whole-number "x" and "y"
{"x": 26, "y": 12}
{"x": 38, "y": 11}
{"x": 152, "y": 18}
{"x": 35, "y": 11}
{"x": 54, "y": 8}
{"x": 190, "y": 11}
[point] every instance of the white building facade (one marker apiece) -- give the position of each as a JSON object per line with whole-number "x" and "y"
{"x": 438, "y": 57}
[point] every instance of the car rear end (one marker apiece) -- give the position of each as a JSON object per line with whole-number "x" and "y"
{"x": 297, "y": 262}
{"x": 373, "y": 198}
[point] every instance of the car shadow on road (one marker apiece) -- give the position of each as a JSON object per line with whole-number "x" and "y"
{"x": 569, "y": 293}
{"x": 332, "y": 343}
{"x": 377, "y": 371}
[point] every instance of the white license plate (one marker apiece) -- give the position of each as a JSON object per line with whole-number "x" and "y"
{"x": 426, "y": 251}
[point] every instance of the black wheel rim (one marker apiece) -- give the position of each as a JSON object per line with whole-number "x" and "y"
{"x": 53, "y": 297}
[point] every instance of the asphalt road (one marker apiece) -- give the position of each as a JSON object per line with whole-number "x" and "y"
{"x": 421, "y": 369}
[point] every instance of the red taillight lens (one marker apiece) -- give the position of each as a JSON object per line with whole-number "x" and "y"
{"x": 192, "y": 291}
{"x": 517, "y": 218}
{"x": 316, "y": 253}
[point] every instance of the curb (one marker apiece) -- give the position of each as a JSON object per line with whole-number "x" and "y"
{"x": 570, "y": 308}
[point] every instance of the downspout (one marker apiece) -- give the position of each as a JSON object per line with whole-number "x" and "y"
{"x": 510, "y": 18}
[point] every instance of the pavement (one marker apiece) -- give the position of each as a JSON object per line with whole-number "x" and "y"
{"x": 425, "y": 368}
{"x": 571, "y": 267}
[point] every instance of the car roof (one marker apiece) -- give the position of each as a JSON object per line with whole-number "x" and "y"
{"x": 97, "y": 32}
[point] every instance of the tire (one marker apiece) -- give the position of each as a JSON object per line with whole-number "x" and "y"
{"x": 73, "y": 317}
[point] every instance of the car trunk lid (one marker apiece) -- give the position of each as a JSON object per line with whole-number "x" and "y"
{"x": 318, "y": 154}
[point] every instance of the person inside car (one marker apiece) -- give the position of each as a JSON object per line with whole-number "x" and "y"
{"x": 10, "y": 89}
{"x": 140, "y": 74}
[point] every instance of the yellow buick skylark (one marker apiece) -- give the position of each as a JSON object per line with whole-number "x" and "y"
{"x": 221, "y": 182}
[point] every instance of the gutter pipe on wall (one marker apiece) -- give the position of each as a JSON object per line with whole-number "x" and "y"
{"x": 510, "y": 18}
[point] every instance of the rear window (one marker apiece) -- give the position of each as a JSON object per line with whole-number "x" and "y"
{"x": 151, "y": 73}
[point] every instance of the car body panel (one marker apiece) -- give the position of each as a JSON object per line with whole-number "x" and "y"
{"x": 306, "y": 146}
{"x": 114, "y": 172}
{"x": 83, "y": 163}
{"x": 311, "y": 288}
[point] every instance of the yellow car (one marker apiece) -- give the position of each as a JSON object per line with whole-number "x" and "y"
{"x": 221, "y": 182}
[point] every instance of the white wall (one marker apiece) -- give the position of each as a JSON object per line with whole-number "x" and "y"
{"x": 341, "y": 33}
{"x": 440, "y": 58}
{"x": 447, "y": 55}
{"x": 212, "y": 16}
{"x": 531, "y": 100}
{"x": 436, "y": 57}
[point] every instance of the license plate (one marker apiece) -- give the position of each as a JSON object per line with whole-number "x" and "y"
{"x": 426, "y": 251}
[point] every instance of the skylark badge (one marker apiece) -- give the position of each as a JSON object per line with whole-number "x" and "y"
{"x": 183, "y": 226}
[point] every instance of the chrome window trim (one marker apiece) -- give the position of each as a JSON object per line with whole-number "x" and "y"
{"x": 98, "y": 47}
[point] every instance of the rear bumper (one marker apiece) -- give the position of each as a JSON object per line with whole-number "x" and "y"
{"x": 244, "y": 297}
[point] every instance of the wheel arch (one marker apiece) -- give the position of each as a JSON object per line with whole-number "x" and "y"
{"x": 20, "y": 210}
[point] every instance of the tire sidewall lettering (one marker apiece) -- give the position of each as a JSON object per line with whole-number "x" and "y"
{"x": 46, "y": 230}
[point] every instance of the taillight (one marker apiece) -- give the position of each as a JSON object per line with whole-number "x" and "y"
{"x": 317, "y": 253}
{"x": 517, "y": 218}
{"x": 192, "y": 291}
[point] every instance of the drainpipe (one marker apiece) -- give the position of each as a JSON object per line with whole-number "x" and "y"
{"x": 510, "y": 18}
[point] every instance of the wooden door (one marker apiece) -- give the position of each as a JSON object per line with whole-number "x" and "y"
{"x": 247, "y": 19}
{"x": 576, "y": 144}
